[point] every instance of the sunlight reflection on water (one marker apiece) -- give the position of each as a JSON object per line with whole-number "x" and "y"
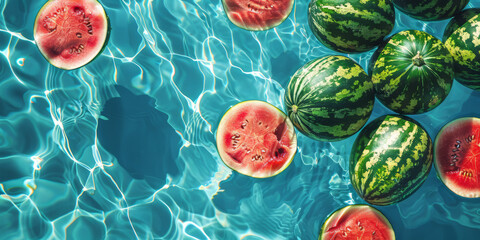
{"x": 185, "y": 59}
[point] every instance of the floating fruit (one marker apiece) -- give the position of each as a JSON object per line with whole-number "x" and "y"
{"x": 330, "y": 98}
{"x": 256, "y": 139}
{"x": 357, "y": 222}
{"x": 430, "y": 10}
{"x": 462, "y": 39}
{"x": 390, "y": 159}
{"x": 412, "y": 72}
{"x": 71, "y": 33}
{"x": 257, "y": 14}
{"x": 351, "y": 25}
{"x": 458, "y": 21}
{"x": 457, "y": 156}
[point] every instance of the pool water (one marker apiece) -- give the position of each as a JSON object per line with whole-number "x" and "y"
{"x": 124, "y": 148}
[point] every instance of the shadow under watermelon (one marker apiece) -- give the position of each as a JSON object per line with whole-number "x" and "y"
{"x": 139, "y": 136}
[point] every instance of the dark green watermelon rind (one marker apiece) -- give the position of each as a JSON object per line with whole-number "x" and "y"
{"x": 373, "y": 59}
{"x": 348, "y": 208}
{"x": 465, "y": 49}
{"x": 294, "y": 141}
{"x": 458, "y": 21}
{"x": 403, "y": 87}
{"x": 334, "y": 97}
{"x": 390, "y": 159}
{"x": 430, "y": 10}
{"x": 105, "y": 43}
{"x": 350, "y": 26}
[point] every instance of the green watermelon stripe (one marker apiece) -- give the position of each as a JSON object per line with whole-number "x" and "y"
{"x": 371, "y": 138}
{"x": 401, "y": 188}
{"x": 309, "y": 94}
{"x": 351, "y": 26}
{"x": 307, "y": 73}
{"x": 405, "y": 87}
{"x": 376, "y": 139}
{"x": 418, "y": 176}
{"x": 311, "y": 127}
{"x": 464, "y": 45}
{"x": 430, "y": 10}
{"x": 393, "y": 88}
{"x": 303, "y": 123}
{"x": 322, "y": 83}
{"x": 458, "y": 21}
{"x": 346, "y": 10}
{"x": 390, "y": 159}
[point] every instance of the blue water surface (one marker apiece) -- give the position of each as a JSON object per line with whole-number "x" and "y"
{"x": 124, "y": 148}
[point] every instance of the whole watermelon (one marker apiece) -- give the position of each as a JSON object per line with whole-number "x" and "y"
{"x": 462, "y": 39}
{"x": 329, "y": 98}
{"x": 390, "y": 159}
{"x": 412, "y": 72}
{"x": 351, "y": 25}
{"x": 430, "y": 10}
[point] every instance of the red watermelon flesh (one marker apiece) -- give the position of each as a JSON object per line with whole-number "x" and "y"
{"x": 357, "y": 222}
{"x": 71, "y": 33}
{"x": 256, "y": 139}
{"x": 257, "y": 14}
{"x": 457, "y": 156}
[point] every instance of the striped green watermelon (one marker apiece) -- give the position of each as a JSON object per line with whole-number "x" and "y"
{"x": 430, "y": 10}
{"x": 412, "y": 72}
{"x": 351, "y": 25}
{"x": 390, "y": 159}
{"x": 458, "y": 21}
{"x": 330, "y": 98}
{"x": 463, "y": 41}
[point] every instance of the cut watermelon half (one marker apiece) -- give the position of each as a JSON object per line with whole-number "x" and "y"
{"x": 256, "y": 139}
{"x": 71, "y": 33}
{"x": 457, "y": 156}
{"x": 357, "y": 222}
{"x": 257, "y": 15}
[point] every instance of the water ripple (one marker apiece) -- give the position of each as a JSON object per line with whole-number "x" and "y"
{"x": 183, "y": 64}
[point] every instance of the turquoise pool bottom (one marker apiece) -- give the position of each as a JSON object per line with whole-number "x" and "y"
{"x": 81, "y": 158}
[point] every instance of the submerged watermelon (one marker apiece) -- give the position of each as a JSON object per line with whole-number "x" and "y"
{"x": 351, "y": 25}
{"x": 390, "y": 159}
{"x": 256, "y": 139}
{"x": 357, "y": 222}
{"x": 463, "y": 41}
{"x": 412, "y": 72}
{"x": 430, "y": 10}
{"x": 257, "y": 14}
{"x": 457, "y": 156}
{"x": 330, "y": 98}
{"x": 71, "y": 33}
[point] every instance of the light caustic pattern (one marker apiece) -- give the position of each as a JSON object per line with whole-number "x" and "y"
{"x": 57, "y": 180}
